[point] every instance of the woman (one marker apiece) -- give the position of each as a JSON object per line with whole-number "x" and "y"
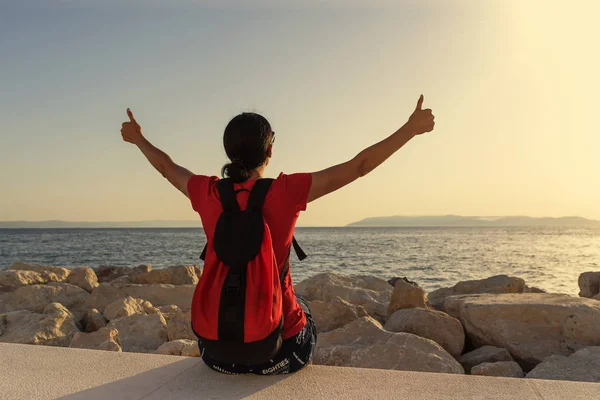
{"x": 248, "y": 142}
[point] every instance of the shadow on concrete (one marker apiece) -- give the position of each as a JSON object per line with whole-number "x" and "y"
{"x": 180, "y": 381}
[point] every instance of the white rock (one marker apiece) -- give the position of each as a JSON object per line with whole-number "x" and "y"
{"x": 334, "y": 314}
{"x": 84, "y": 277}
{"x": 364, "y": 344}
{"x": 494, "y": 284}
{"x": 508, "y": 369}
{"x": 530, "y": 326}
{"x": 180, "y": 327}
{"x": 94, "y": 321}
{"x": 52, "y": 274}
{"x": 485, "y": 354}
{"x": 178, "y": 275}
{"x": 583, "y": 365}
{"x": 35, "y": 297}
{"x": 407, "y": 295}
{"x": 102, "y": 339}
{"x": 126, "y": 307}
{"x": 11, "y": 280}
{"x": 435, "y": 325}
{"x": 109, "y": 273}
{"x": 141, "y": 333}
{"x": 369, "y": 292}
{"x": 54, "y": 327}
{"x": 158, "y": 295}
{"x": 180, "y": 347}
{"x": 589, "y": 284}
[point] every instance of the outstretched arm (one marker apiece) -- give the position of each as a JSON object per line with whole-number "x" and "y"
{"x": 333, "y": 178}
{"x": 177, "y": 175}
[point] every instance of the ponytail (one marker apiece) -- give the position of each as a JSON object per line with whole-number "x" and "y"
{"x": 236, "y": 171}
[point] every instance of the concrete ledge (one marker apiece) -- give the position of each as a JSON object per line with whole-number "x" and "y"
{"x": 38, "y": 372}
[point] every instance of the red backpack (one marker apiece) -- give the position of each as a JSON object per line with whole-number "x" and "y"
{"x": 243, "y": 299}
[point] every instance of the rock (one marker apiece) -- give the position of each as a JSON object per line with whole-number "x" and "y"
{"x": 435, "y": 325}
{"x": 494, "y": 284}
{"x": 126, "y": 307}
{"x": 372, "y": 293}
{"x": 102, "y": 339}
{"x": 94, "y": 321}
{"x": 158, "y": 295}
{"x": 531, "y": 326}
{"x": 141, "y": 333}
{"x": 533, "y": 289}
{"x": 179, "y": 275}
{"x": 55, "y": 326}
{"x": 109, "y": 273}
{"x": 393, "y": 281}
{"x": 334, "y": 314}
{"x": 11, "y": 280}
{"x": 407, "y": 295}
{"x": 508, "y": 369}
{"x": 180, "y": 347}
{"x": 169, "y": 311}
{"x": 35, "y": 297}
{"x": 589, "y": 284}
{"x": 180, "y": 327}
{"x": 364, "y": 344}
{"x": 583, "y": 365}
{"x": 84, "y": 277}
{"x": 52, "y": 274}
{"x": 485, "y": 354}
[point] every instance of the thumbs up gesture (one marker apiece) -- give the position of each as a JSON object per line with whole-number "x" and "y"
{"x": 131, "y": 130}
{"x": 421, "y": 121}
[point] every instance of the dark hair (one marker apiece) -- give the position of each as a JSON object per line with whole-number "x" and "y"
{"x": 247, "y": 139}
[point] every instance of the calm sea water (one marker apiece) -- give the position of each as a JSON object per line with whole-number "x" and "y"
{"x": 549, "y": 258}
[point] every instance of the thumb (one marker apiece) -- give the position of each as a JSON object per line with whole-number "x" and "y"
{"x": 130, "y": 115}
{"x": 419, "y": 103}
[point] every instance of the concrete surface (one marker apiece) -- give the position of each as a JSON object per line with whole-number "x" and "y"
{"x": 39, "y": 372}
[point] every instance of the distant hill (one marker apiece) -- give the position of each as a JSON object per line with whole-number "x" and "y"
{"x": 107, "y": 224}
{"x": 460, "y": 221}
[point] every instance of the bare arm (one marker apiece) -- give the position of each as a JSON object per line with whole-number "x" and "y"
{"x": 333, "y": 178}
{"x": 176, "y": 174}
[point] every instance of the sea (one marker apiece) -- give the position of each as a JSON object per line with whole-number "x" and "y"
{"x": 548, "y": 258}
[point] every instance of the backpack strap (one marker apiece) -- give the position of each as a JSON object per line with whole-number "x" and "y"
{"x": 258, "y": 194}
{"x": 227, "y": 195}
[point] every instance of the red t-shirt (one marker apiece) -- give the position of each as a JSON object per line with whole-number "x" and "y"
{"x": 286, "y": 198}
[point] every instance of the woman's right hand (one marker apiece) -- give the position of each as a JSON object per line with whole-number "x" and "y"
{"x": 131, "y": 131}
{"x": 421, "y": 121}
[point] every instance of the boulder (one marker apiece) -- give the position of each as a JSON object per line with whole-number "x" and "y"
{"x": 169, "y": 311}
{"x": 365, "y": 344}
{"x": 430, "y": 324}
{"x": 141, "y": 333}
{"x": 179, "y": 275}
{"x": 508, "y": 369}
{"x": 35, "y": 297}
{"x": 52, "y": 274}
{"x": 102, "y": 339}
{"x": 94, "y": 321}
{"x": 408, "y": 295}
{"x": 531, "y": 326}
{"x": 84, "y": 277}
{"x": 494, "y": 284}
{"x": 485, "y": 354}
{"x": 589, "y": 284}
{"x": 126, "y": 307}
{"x": 180, "y": 327}
{"x": 55, "y": 326}
{"x": 180, "y": 347}
{"x": 11, "y": 280}
{"x": 107, "y": 273}
{"x": 158, "y": 295}
{"x": 583, "y": 365}
{"x": 334, "y": 314}
{"x": 372, "y": 293}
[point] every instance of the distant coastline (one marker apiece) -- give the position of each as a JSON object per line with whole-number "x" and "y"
{"x": 443, "y": 221}
{"x": 461, "y": 221}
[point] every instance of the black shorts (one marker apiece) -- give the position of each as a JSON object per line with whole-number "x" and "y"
{"x": 296, "y": 352}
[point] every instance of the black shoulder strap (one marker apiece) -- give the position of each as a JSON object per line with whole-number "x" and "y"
{"x": 259, "y": 194}
{"x": 227, "y": 195}
{"x": 299, "y": 252}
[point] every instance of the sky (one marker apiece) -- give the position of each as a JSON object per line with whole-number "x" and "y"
{"x": 514, "y": 86}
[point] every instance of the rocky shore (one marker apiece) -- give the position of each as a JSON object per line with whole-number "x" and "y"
{"x": 496, "y": 326}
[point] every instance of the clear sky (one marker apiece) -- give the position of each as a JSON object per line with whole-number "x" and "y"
{"x": 514, "y": 86}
